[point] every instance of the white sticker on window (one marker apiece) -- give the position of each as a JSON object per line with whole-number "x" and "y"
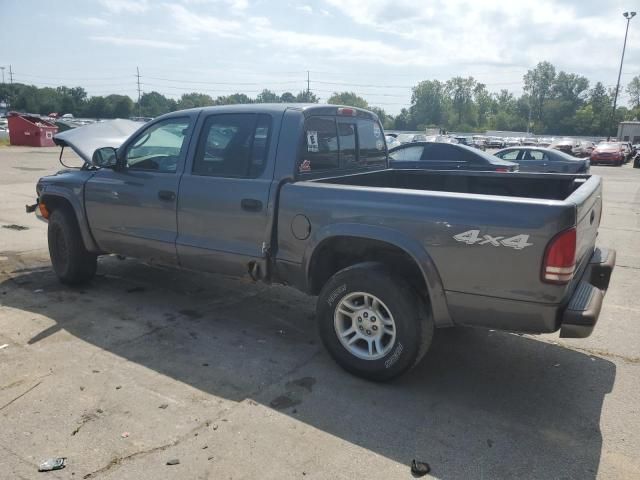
{"x": 312, "y": 141}
{"x": 379, "y": 144}
{"x": 376, "y": 131}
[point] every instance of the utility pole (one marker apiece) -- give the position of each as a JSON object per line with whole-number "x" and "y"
{"x": 2, "y": 68}
{"x": 10, "y": 75}
{"x": 139, "y": 94}
{"x": 308, "y": 83}
{"x": 628, "y": 16}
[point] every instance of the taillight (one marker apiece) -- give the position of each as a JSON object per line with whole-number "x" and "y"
{"x": 560, "y": 258}
{"x": 502, "y": 169}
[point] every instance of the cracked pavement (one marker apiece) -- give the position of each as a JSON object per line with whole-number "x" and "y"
{"x": 149, "y": 364}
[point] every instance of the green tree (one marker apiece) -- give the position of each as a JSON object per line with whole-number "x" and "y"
{"x": 194, "y": 100}
{"x": 404, "y": 120}
{"x": 307, "y": 96}
{"x": 428, "y": 105}
{"x": 633, "y": 89}
{"x": 287, "y": 97}
{"x": 348, "y": 98}
{"x": 267, "y": 96}
{"x": 119, "y": 106}
{"x": 236, "y": 98}
{"x": 460, "y": 91}
{"x": 153, "y": 104}
{"x": 538, "y": 84}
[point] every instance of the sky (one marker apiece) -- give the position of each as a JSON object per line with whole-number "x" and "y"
{"x": 377, "y": 48}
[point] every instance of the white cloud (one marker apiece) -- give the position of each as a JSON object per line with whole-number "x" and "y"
{"x": 137, "y": 42}
{"x": 193, "y": 23}
{"x": 305, "y": 9}
{"x": 92, "y": 21}
{"x": 125, "y": 6}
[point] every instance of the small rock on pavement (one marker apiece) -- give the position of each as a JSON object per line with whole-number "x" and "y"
{"x": 52, "y": 464}
{"x": 163, "y": 406}
{"x": 125, "y": 434}
{"x": 174, "y": 461}
{"x": 419, "y": 469}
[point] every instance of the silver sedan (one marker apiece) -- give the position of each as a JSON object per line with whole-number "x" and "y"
{"x": 548, "y": 160}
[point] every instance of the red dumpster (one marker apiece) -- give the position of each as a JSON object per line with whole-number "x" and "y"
{"x": 30, "y": 130}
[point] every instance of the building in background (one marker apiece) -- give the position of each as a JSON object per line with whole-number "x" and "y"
{"x": 629, "y": 131}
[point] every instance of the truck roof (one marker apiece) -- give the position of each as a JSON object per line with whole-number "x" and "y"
{"x": 306, "y": 108}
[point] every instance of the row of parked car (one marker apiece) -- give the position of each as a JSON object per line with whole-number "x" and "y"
{"x": 545, "y": 155}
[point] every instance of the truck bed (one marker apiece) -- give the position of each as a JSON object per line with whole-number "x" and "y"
{"x": 554, "y": 186}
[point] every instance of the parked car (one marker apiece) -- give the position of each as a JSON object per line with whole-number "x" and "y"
{"x": 495, "y": 142}
{"x": 530, "y": 141}
{"x": 441, "y": 139}
{"x": 468, "y": 141}
{"x": 586, "y": 148}
{"x": 567, "y": 145}
{"x": 609, "y": 153}
{"x": 446, "y": 156}
{"x": 538, "y": 159}
{"x": 479, "y": 142}
{"x": 628, "y": 151}
{"x": 301, "y": 195}
{"x": 512, "y": 142}
{"x": 391, "y": 141}
{"x": 544, "y": 141}
{"x": 411, "y": 137}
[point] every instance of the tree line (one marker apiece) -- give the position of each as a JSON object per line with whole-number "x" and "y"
{"x": 552, "y": 102}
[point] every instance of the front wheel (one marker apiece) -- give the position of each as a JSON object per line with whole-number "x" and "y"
{"x": 372, "y": 322}
{"x": 71, "y": 261}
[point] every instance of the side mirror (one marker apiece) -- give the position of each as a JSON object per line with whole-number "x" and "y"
{"x": 105, "y": 157}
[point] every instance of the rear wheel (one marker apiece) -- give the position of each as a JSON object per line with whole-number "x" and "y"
{"x": 71, "y": 261}
{"x": 372, "y": 322}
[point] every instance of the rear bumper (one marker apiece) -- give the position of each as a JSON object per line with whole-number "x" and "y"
{"x": 581, "y": 314}
{"x": 575, "y": 318}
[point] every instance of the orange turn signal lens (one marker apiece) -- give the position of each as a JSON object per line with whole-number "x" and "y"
{"x": 43, "y": 210}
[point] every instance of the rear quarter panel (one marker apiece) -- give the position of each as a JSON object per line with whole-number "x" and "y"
{"x": 431, "y": 220}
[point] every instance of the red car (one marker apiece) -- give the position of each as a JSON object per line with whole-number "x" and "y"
{"x": 609, "y": 153}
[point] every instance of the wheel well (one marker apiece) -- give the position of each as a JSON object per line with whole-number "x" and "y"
{"x": 53, "y": 202}
{"x": 337, "y": 253}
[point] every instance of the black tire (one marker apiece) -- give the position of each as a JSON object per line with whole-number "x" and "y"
{"x": 71, "y": 261}
{"x": 412, "y": 317}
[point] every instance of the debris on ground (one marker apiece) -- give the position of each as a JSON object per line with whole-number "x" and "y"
{"x": 52, "y": 464}
{"x": 556, "y": 365}
{"x": 175, "y": 461}
{"x": 419, "y": 469}
{"x": 125, "y": 435}
{"x": 13, "y": 226}
{"x": 283, "y": 402}
{"x": 38, "y": 290}
{"x": 489, "y": 442}
{"x": 163, "y": 406}
{"x": 118, "y": 387}
{"x": 4, "y": 346}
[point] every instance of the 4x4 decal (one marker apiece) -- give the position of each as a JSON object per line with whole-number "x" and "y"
{"x": 471, "y": 237}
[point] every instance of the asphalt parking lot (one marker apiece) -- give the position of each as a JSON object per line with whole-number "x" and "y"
{"x": 147, "y": 365}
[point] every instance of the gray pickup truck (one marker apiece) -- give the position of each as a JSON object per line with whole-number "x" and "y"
{"x": 301, "y": 195}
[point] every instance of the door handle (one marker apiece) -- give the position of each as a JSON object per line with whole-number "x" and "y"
{"x": 167, "y": 195}
{"x": 251, "y": 204}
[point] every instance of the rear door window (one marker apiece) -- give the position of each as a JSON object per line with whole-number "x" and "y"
{"x": 372, "y": 149}
{"x": 510, "y": 155}
{"x": 320, "y": 145}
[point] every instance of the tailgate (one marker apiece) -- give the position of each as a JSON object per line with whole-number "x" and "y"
{"x": 588, "y": 201}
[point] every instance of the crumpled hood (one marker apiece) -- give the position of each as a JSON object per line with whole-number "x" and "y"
{"x": 85, "y": 140}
